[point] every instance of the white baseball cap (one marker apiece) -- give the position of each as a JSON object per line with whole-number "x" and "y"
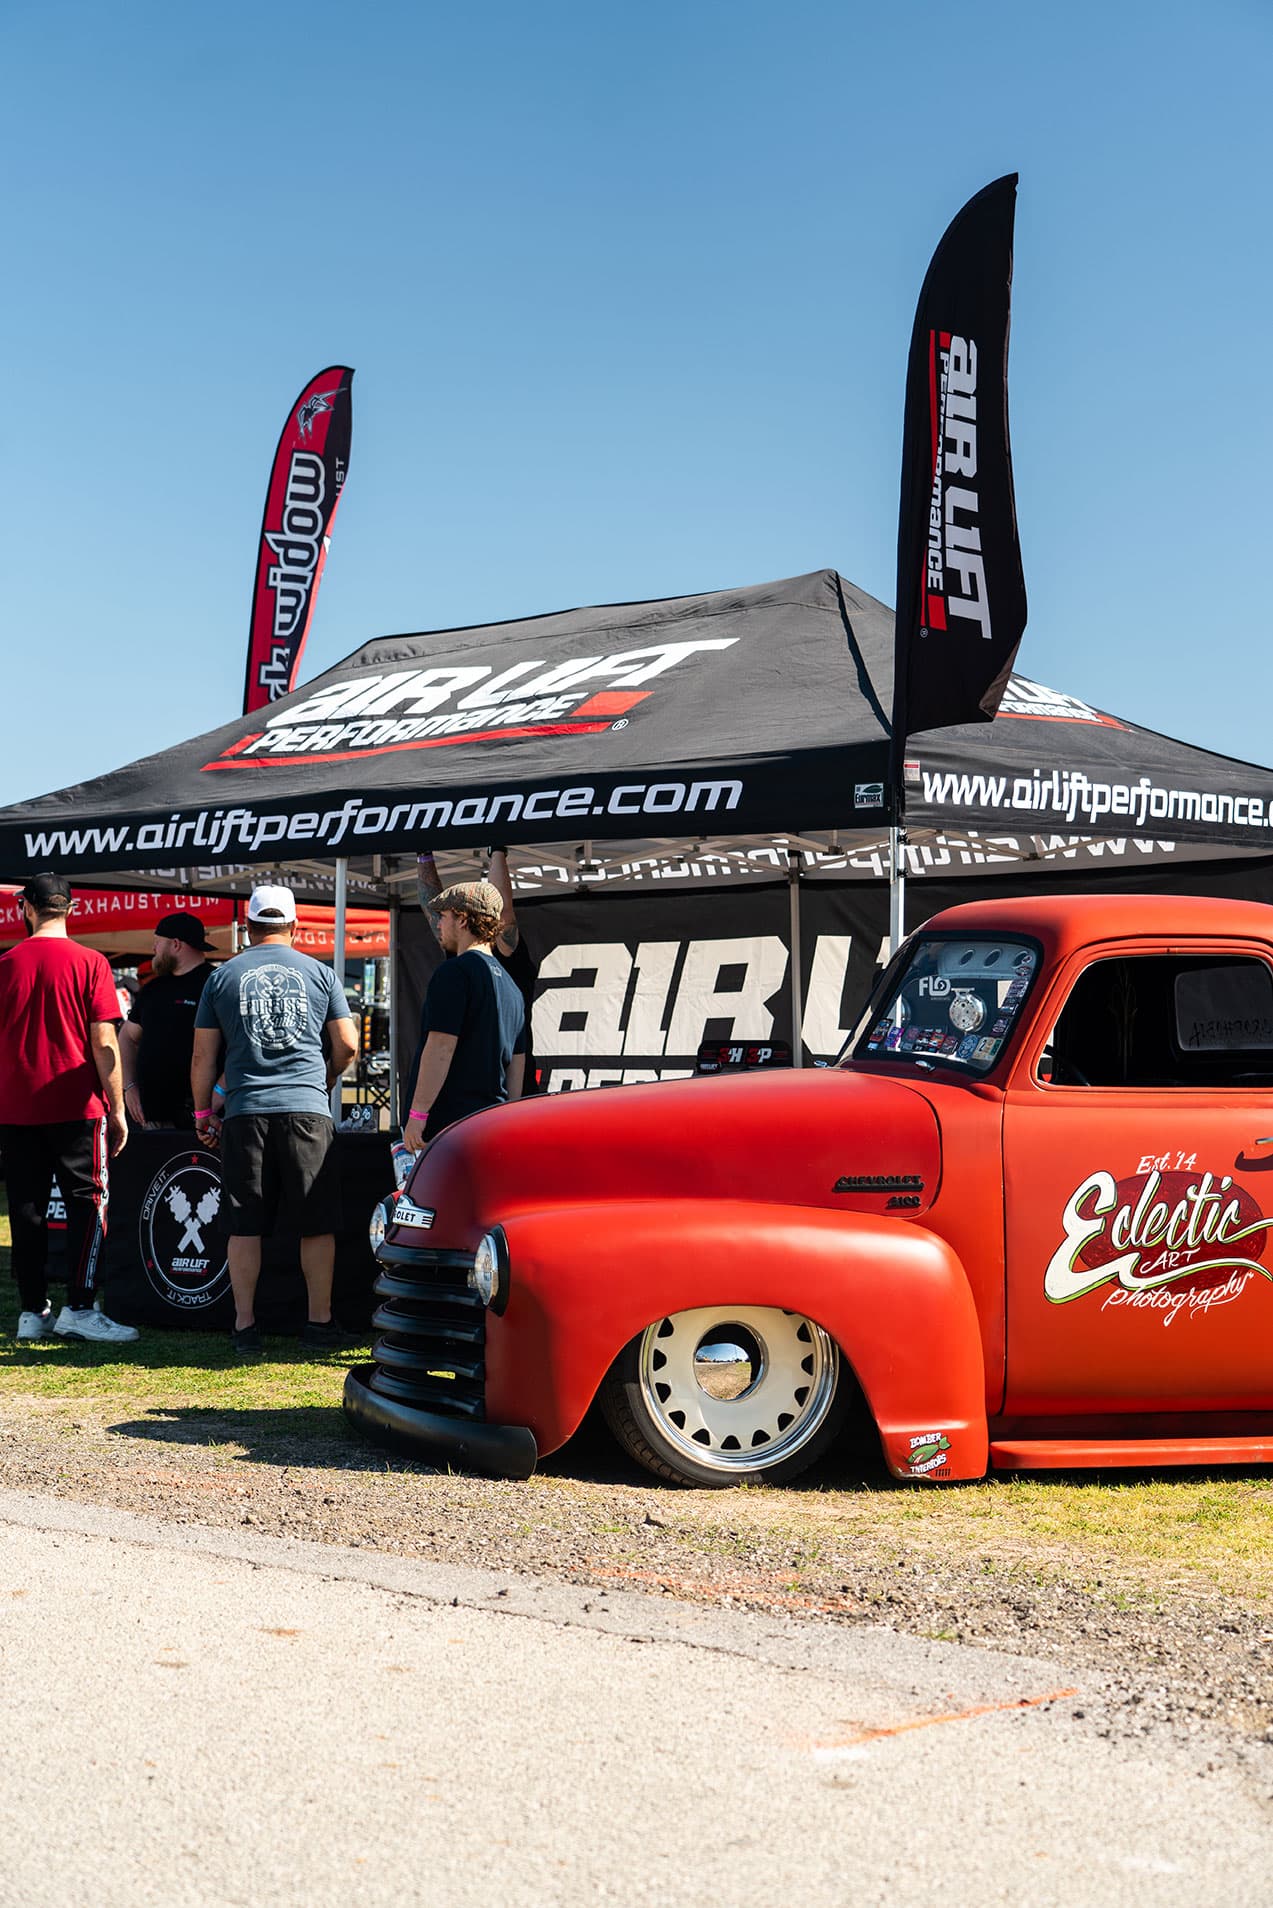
{"x": 275, "y": 907}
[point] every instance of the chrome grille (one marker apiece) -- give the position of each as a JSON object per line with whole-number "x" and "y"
{"x": 431, "y": 1352}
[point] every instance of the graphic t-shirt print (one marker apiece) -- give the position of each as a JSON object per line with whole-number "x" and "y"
{"x": 274, "y": 1007}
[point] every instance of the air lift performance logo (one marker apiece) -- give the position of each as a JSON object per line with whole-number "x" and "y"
{"x": 446, "y": 704}
{"x": 1169, "y": 1239}
{"x": 1035, "y": 702}
{"x": 182, "y": 1244}
{"x": 954, "y": 571}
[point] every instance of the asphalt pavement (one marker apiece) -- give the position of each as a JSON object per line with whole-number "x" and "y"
{"x": 190, "y": 1716}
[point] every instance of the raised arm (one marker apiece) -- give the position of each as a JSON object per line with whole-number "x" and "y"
{"x": 428, "y": 884}
{"x": 497, "y": 874}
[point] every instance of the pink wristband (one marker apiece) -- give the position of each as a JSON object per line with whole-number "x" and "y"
{"x": 203, "y": 1112}
{"x": 417, "y": 1115}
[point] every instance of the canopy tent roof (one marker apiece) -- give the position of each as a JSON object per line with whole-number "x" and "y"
{"x": 747, "y": 726}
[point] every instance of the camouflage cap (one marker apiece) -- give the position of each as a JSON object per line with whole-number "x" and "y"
{"x": 469, "y": 897}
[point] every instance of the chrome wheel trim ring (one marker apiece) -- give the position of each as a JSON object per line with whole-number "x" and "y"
{"x": 772, "y": 1419}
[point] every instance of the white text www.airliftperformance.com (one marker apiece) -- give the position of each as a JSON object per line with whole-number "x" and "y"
{"x": 214, "y": 830}
{"x": 1070, "y": 796}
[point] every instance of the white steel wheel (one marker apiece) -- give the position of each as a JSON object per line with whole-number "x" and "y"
{"x": 726, "y": 1395}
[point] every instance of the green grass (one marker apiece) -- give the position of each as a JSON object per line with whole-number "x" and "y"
{"x": 1093, "y": 1528}
{"x": 170, "y": 1370}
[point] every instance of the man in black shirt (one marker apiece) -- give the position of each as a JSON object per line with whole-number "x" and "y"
{"x": 510, "y": 948}
{"x": 157, "y": 1039}
{"x": 473, "y": 1027}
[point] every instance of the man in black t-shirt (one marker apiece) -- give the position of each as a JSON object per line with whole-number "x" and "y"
{"x": 157, "y": 1039}
{"x": 510, "y": 947}
{"x": 473, "y": 1027}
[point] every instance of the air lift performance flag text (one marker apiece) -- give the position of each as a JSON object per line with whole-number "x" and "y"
{"x": 961, "y": 605}
{"x": 300, "y": 506}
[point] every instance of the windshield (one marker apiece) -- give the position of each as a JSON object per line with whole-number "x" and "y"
{"x": 955, "y": 1000}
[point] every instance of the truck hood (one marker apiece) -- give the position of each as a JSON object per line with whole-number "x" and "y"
{"x": 840, "y": 1140}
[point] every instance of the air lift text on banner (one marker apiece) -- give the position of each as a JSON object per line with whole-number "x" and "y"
{"x": 961, "y": 603}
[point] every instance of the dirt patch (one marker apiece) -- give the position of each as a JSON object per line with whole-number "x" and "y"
{"x": 1183, "y": 1647}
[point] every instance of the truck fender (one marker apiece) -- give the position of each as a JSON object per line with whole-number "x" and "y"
{"x": 586, "y": 1279}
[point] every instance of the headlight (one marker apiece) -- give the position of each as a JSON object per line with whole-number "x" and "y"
{"x": 489, "y": 1277}
{"x": 381, "y": 1220}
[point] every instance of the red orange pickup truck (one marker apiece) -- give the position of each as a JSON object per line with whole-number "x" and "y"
{"x": 1021, "y": 1224}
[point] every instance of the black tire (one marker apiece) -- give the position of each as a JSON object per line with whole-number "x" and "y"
{"x": 644, "y": 1422}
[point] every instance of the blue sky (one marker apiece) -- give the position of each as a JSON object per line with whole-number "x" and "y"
{"x": 628, "y": 292}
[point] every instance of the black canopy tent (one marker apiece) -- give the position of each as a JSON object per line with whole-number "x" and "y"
{"x": 714, "y": 740}
{"x": 656, "y": 752}
{"x": 739, "y": 714}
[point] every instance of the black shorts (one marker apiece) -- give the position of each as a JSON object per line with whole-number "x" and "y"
{"x": 273, "y": 1160}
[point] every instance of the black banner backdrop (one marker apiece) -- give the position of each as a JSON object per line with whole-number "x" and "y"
{"x": 961, "y": 605}
{"x": 306, "y": 479}
{"x": 630, "y": 985}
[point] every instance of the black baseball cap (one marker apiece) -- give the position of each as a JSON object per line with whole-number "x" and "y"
{"x": 47, "y": 891}
{"x": 184, "y": 927}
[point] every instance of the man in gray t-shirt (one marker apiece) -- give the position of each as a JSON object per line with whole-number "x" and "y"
{"x": 263, "y": 1017}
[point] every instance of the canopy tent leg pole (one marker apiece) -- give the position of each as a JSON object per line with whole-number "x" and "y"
{"x": 797, "y": 984}
{"x": 394, "y": 998}
{"x": 896, "y": 891}
{"x": 338, "y": 961}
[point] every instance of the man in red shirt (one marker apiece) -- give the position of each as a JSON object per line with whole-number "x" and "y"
{"x": 61, "y": 1109}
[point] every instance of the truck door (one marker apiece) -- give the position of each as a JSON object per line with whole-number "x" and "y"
{"x": 1138, "y": 1174}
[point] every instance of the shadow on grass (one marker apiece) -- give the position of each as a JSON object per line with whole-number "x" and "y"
{"x": 320, "y": 1437}
{"x": 159, "y": 1351}
{"x": 154, "y": 1349}
{"x": 313, "y": 1436}
{"x": 592, "y": 1456}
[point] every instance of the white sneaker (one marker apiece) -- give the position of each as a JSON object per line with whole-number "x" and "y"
{"x": 93, "y": 1325}
{"x": 35, "y": 1324}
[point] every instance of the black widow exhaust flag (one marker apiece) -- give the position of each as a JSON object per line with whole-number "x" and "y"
{"x": 961, "y": 604}
{"x": 300, "y": 505}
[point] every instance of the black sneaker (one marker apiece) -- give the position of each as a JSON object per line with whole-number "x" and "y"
{"x": 247, "y": 1343}
{"x": 328, "y": 1334}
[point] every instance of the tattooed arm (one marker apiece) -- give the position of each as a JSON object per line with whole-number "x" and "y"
{"x": 428, "y": 887}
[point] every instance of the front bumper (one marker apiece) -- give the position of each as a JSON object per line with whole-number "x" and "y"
{"x": 491, "y": 1450}
{"x": 426, "y": 1392}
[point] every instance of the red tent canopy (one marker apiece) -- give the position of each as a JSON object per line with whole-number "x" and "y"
{"x": 122, "y": 921}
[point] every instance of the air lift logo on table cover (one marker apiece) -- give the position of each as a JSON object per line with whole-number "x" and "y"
{"x": 1170, "y": 1238}
{"x": 182, "y": 1245}
{"x": 439, "y": 705}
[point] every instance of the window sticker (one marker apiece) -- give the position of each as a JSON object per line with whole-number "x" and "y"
{"x": 956, "y": 1002}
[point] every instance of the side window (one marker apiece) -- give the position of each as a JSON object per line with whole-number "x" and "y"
{"x": 1166, "y": 1020}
